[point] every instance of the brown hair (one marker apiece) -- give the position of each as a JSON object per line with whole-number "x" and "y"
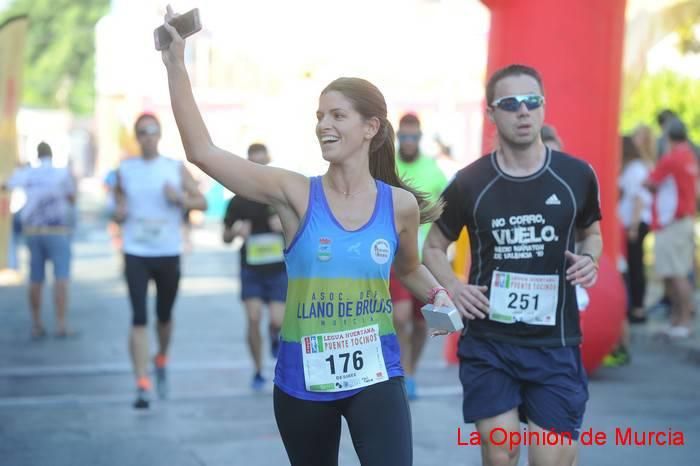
{"x": 369, "y": 102}
{"x": 643, "y": 138}
{"x": 256, "y": 147}
{"x": 510, "y": 70}
{"x": 629, "y": 150}
{"x": 409, "y": 119}
{"x": 143, "y": 116}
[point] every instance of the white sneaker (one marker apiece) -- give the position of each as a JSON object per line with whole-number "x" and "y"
{"x": 678, "y": 332}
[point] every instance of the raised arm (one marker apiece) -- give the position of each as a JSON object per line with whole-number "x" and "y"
{"x": 254, "y": 181}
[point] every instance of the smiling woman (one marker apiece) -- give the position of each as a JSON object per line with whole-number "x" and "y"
{"x": 343, "y": 231}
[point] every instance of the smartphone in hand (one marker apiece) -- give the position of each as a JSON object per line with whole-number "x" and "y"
{"x": 185, "y": 24}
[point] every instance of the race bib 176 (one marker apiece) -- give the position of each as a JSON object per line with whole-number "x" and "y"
{"x": 346, "y": 360}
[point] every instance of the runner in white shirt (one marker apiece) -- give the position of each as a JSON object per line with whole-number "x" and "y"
{"x": 152, "y": 192}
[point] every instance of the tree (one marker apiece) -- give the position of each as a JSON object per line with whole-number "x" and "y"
{"x": 664, "y": 90}
{"x": 648, "y": 23}
{"x": 60, "y": 55}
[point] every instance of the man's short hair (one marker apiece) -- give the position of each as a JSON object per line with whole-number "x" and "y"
{"x": 256, "y": 147}
{"x": 409, "y": 119}
{"x": 510, "y": 70}
{"x": 143, "y": 116}
{"x": 677, "y": 132}
{"x": 43, "y": 150}
{"x": 664, "y": 116}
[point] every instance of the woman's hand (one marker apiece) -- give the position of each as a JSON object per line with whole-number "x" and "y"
{"x": 174, "y": 55}
{"x": 442, "y": 299}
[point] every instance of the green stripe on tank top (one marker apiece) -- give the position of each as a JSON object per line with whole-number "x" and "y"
{"x": 332, "y": 305}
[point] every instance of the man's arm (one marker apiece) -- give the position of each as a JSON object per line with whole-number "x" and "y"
{"x": 240, "y": 228}
{"x": 584, "y": 264}
{"x": 662, "y": 169}
{"x": 234, "y": 223}
{"x": 70, "y": 186}
{"x": 190, "y": 197}
{"x": 435, "y": 258}
{"x": 591, "y": 241}
{"x": 119, "y": 214}
{"x": 16, "y": 179}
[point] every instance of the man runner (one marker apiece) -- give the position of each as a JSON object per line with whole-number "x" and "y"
{"x": 525, "y": 206}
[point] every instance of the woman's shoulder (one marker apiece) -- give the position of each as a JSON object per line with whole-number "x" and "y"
{"x": 404, "y": 201}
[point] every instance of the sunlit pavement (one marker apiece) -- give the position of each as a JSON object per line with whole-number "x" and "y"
{"x": 68, "y": 402}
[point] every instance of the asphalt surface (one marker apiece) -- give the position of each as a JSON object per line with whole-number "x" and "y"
{"x": 68, "y": 401}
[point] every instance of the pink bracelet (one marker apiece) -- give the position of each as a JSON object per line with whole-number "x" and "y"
{"x": 434, "y": 291}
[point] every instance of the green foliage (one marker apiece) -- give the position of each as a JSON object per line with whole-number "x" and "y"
{"x": 659, "y": 91}
{"x": 60, "y": 54}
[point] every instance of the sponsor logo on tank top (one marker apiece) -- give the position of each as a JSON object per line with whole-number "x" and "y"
{"x": 354, "y": 249}
{"x": 324, "y": 249}
{"x": 380, "y": 251}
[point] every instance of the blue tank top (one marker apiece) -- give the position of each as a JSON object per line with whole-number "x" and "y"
{"x": 338, "y": 297}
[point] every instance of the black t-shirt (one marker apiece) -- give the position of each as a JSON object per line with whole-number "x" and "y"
{"x": 259, "y": 215}
{"x": 523, "y": 225}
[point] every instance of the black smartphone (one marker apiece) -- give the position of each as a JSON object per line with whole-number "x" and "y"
{"x": 185, "y": 24}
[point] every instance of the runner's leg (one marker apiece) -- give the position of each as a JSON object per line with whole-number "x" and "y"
{"x": 494, "y": 451}
{"x": 275, "y": 295}
{"x": 37, "y": 261}
{"x": 276, "y": 318}
{"x": 60, "y": 253}
{"x": 167, "y": 279}
{"x": 310, "y": 430}
{"x": 253, "y": 311}
{"x": 379, "y": 419}
{"x": 137, "y": 277}
{"x": 563, "y": 453}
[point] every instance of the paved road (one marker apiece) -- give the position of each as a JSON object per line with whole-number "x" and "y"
{"x": 67, "y": 402}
